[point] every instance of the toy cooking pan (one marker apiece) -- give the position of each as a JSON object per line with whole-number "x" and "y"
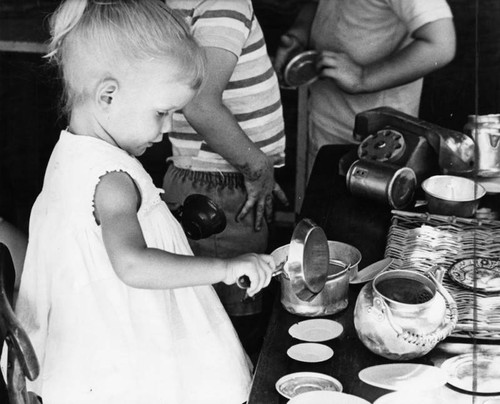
{"x": 301, "y": 69}
{"x": 307, "y": 262}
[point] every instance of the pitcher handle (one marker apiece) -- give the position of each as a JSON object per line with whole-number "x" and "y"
{"x": 446, "y": 327}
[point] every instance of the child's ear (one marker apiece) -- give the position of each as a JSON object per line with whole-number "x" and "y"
{"x": 106, "y": 90}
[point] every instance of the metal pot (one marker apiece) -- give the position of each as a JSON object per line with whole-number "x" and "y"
{"x": 346, "y": 253}
{"x": 334, "y": 296}
{"x": 452, "y": 196}
{"x": 332, "y": 299}
{"x": 306, "y": 262}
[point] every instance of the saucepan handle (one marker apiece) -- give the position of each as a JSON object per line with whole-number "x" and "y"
{"x": 244, "y": 282}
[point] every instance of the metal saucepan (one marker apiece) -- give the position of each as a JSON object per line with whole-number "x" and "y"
{"x": 307, "y": 262}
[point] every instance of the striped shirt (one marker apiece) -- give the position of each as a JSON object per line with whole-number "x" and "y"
{"x": 252, "y": 94}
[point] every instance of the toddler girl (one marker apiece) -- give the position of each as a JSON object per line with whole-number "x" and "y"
{"x": 116, "y": 306}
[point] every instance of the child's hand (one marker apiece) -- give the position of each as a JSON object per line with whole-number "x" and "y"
{"x": 258, "y": 267}
{"x": 289, "y": 45}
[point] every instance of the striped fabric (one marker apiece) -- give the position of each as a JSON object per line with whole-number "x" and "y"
{"x": 252, "y": 94}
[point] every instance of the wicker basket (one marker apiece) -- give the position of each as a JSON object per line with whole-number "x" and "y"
{"x": 423, "y": 241}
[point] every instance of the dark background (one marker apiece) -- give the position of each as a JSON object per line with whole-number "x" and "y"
{"x": 30, "y": 122}
{"x": 29, "y": 93}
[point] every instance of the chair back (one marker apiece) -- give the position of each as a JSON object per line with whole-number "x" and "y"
{"x": 22, "y": 360}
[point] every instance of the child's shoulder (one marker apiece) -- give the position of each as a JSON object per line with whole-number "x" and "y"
{"x": 86, "y": 159}
{"x": 78, "y": 164}
{"x": 92, "y": 152}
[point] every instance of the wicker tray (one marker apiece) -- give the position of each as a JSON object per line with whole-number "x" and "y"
{"x": 423, "y": 241}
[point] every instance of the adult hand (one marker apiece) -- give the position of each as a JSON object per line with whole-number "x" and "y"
{"x": 340, "y": 67}
{"x": 261, "y": 187}
{"x": 290, "y": 45}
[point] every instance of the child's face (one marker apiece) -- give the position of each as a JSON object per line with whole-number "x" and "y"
{"x": 141, "y": 110}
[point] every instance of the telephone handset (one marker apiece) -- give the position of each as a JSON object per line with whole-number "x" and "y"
{"x": 389, "y": 135}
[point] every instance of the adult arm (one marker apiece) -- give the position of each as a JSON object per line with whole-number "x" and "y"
{"x": 433, "y": 47}
{"x": 208, "y": 115}
{"x": 137, "y": 265}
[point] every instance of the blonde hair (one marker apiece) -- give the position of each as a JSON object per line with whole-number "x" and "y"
{"x": 91, "y": 39}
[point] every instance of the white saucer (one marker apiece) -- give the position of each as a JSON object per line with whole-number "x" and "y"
{"x": 399, "y": 397}
{"x": 327, "y": 397}
{"x": 316, "y": 330}
{"x": 404, "y": 376}
{"x": 492, "y": 185}
{"x": 293, "y": 384}
{"x": 310, "y": 352}
{"x": 484, "y": 368}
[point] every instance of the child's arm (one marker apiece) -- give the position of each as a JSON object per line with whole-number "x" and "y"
{"x": 296, "y": 38}
{"x": 116, "y": 203}
{"x": 209, "y": 116}
{"x": 433, "y": 47}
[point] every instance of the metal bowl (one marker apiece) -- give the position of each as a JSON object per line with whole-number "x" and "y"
{"x": 452, "y": 196}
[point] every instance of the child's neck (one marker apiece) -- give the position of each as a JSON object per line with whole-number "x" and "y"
{"x": 85, "y": 124}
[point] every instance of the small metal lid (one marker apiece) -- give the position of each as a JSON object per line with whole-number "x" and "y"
{"x": 301, "y": 69}
{"x": 308, "y": 258}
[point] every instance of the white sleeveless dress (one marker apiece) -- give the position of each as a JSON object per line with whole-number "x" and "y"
{"x": 97, "y": 339}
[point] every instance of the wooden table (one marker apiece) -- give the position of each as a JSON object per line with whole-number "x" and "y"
{"x": 364, "y": 225}
{"x": 350, "y": 356}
